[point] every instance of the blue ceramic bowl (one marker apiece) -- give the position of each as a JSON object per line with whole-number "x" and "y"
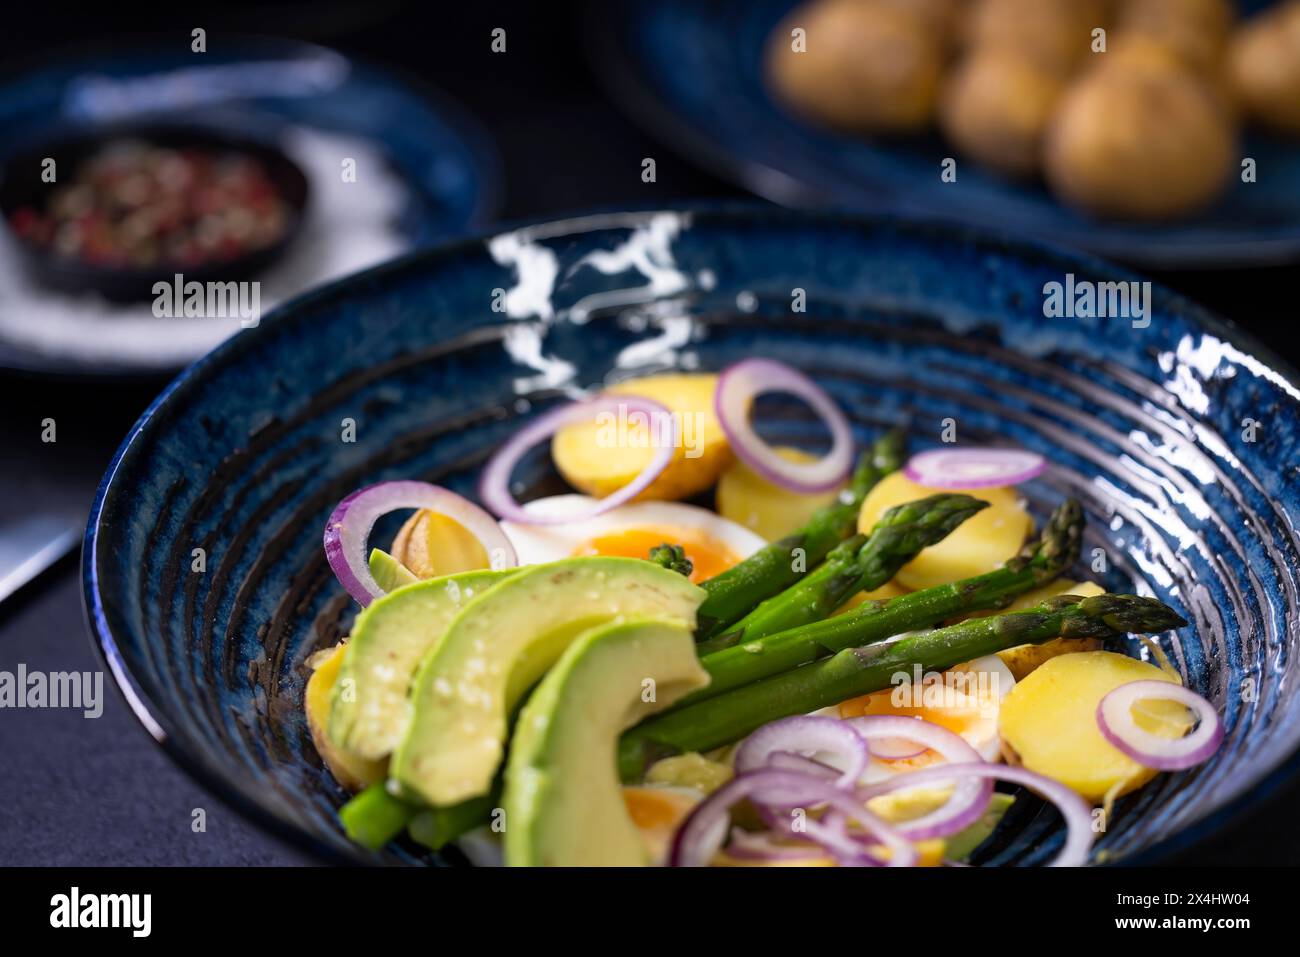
{"x": 693, "y": 70}
{"x": 244, "y": 456}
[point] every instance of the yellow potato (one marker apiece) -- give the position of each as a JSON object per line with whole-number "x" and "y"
{"x": 350, "y": 770}
{"x": 938, "y": 16}
{"x": 1056, "y": 33}
{"x": 1140, "y": 51}
{"x": 748, "y": 499}
{"x": 868, "y": 66}
{"x": 1197, "y": 30}
{"x": 1023, "y": 659}
{"x": 996, "y": 107}
{"x": 1140, "y": 143}
{"x": 431, "y": 545}
{"x": 599, "y": 458}
{"x": 1048, "y": 722}
{"x": 1264, "y": 67}
{"x": 980, "y": 544}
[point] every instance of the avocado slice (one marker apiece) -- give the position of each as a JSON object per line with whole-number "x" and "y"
{"x": 499, "y": 646}
{"x": 389, "y": 638}
{"x": 966, "y": 842}
{"x": 388, "y": 572}
{"x": 563, "y": 798}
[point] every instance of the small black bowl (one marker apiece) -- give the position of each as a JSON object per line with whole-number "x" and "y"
{"x": 21, "y": 186}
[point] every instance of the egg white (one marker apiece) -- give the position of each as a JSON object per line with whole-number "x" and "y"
{"x": 548, "y": 543}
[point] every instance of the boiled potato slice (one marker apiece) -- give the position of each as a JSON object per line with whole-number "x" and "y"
{"x": 1048, "y": 722}
{"x": 748, "y": 499}
{"x": 350, "y": 770}
{"x": 593, "y": 464}
{"x": 432, "y": 545}
{"x": 1023, "y": 659}
{"x": 980, "y": 544}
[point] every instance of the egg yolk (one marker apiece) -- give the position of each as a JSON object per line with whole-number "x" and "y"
{"x": 650, "y": 810}
{"x": 709, "y": 557}
{"x": 972, "y": 716}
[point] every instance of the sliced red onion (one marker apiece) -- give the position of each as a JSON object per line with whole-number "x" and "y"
{"x": 702, "y": 833}
{"x": 785, "y": 761}
{"x": 970, "y": 797}
{"x": 347, "y": 533}
{"x": 738, "y": 384}
{"x": 806, "y": 734}
{"x": 963, "y": 468}
{"x": 895, "y": 749}
{"x": 494, "y": 485}
{"x": 1115, "y": 718}
{"x": 1077, "y": 813}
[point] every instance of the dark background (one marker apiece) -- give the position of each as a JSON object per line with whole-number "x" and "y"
{"x": 100, "y": 792}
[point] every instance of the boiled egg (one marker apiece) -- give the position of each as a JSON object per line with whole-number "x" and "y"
{"x": 965, "y": 699}
{"x": 657, "y": 813}
{"x": 712, "y": 543}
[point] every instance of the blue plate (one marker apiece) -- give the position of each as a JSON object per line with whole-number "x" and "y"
{"x": 1149, "y": 423}
{"x": 693, "y": 70}
{"x": 262, "y": 88}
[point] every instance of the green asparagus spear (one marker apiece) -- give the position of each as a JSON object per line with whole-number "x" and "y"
{"x": 673, "y": 558}
{"x": 1039, "y": 562}
{"x": 374, "y": 817}
{"x": 770, "y": 570}
{"x": 861, "y": 562}
{"x": 858, "y": 671}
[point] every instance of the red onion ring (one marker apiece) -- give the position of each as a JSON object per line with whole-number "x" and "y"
{"x": 963, "y": 468}
{"x": 1115, "y": 718}
{"x": 969, "y": 799}
{"x": 347, "y": 533}
{"x": 895, "y": 749}
{"x": 702, "y": 834}
{"x": 494, "y": 484}
{"x": 787, "y": 761}
{"x": 804, "y": 734}
{"x": 738, "y": 384}
{"x": 1077, "y": 813}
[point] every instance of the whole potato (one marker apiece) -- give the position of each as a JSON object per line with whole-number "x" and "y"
{"x": 1057, "y": 32}
{"x": 996, "y": 107}
{"x": 1142, "y": 52}
{"x": 937, "y": 15}
{"x": 1197, "y": 30}
{"x": 1139, "y": 143}
{"x": 868, "y": 66}
{"x": 1264, "y": 67}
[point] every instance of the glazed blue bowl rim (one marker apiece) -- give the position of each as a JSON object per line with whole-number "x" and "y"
{"x": 106, "y": 643}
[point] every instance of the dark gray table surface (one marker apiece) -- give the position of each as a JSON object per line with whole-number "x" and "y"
{"x": 77, "y": 791}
